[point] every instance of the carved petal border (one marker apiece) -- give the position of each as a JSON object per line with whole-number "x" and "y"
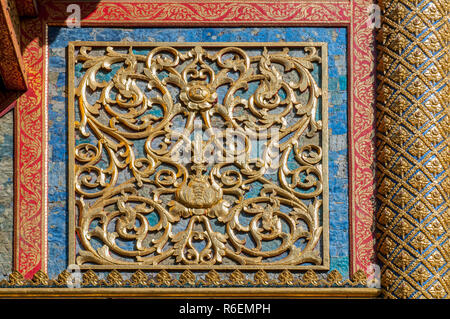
{"x": 413, "y": 149}
{"x": 31, "y": 144}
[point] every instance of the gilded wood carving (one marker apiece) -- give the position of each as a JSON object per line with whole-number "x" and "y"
{"x": 211, "y": 155}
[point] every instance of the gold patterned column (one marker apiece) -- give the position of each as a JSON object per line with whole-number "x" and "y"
{"x": 413, "y": 148}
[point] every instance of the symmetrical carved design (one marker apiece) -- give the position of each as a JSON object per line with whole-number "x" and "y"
{"x": 413, "y": 148}
{"x": 30, "y": 197}
{"x": 259, "y": 278}
{"x": 200, "y": 155}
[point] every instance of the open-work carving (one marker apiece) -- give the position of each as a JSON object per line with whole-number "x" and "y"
{"x": 206, "y": 155}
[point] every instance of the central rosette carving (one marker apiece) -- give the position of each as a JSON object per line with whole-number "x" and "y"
{"x": 198, "y": 96}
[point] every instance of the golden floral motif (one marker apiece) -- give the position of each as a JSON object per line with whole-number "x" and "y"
{"x": 435, "y": 198}
{"x": 420, "y": 211}
{"x": 388, "y": 278}
{"x": 419, "y": 181}
{"x": 436, "y": 260}
{"x": 359, "y": 277}
{"x": 164, "y": 278}
{"x": 403, "y": 260}
{"x": 418, "y": 149}
{"x": 90, "y": 278}
{"x": 384, "y": 92}
{"x": 386, "y": 186}
{"x": 138, "y": 278}
{"x": 114, "y": 278}
{"x": 399, "y": 43}
{"x": 386, "y": 124}
{"x": 386, "y": 155}
{"x": 402, "y": 197}
{"x": 432, "y": 74}
{"x": 433, "y": 44}
{"x": 400, "y": 136}
{"x": 198, "y": 96}
{"x": 438, "y": 291}
{"x": 388, "y": 246}
{"x": 433, "y": 105}
{"x": 434, "y": 136}
{"x": 417, "y": 87}
{"x": 237, "y": 278}
{"x": 334, "y": 277}
{"x": 187, "y": 277}
{"x": 435, "y": 228}
{"x": 40, "y": 278}
{"x": 418, "y": 118}
{"x": 416, "y": 26}
{"x": 420, "y": 242}
{"x": 401, "y": 167}
{"x": 386, "y": 216}
{"x": 421, "y": 274}
{"x": 184, "y": 82}
{"x": 403, "y": 228}
{"x": 16, "y": 279}
{"x": 400, "y": 74}
{"x": 404, "y": 290}
{"x": 434, "y": 166}
{"x": 286, "y": 278}
{"x": 310, "y": 278}
{"x": 432, "y": 12}
{"x": 398, "y": 13}
{"x": 261, "y": 278}
{"x": 417, "y": 57}
{"x": 62, "y": 279}
{"x": 212, "y": 278}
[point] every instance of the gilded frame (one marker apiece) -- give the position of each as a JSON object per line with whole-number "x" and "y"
{"x": 30, "y": 247}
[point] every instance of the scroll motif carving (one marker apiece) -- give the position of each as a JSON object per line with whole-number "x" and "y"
{"x": 413, "y": 149}
{"x": 199, "y": 155}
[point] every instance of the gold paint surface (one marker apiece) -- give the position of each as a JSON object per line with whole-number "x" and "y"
{"x": 198, "y": 156}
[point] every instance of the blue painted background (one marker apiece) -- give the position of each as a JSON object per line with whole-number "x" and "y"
{"x": 338, "y": 176}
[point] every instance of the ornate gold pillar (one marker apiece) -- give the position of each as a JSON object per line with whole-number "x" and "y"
{"x": 413, "y": 150}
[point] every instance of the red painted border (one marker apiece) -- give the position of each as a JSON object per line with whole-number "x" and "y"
{"x": 31, "y": 147}
{"x": 362, "y": 137}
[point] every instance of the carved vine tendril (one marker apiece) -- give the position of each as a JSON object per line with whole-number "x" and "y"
{"x": 137, "y": 112}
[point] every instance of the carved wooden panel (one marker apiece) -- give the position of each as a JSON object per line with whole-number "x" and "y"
{"x": 198, "y": 155}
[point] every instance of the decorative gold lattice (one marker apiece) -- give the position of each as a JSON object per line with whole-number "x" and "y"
{"x": 200, "y": 155}
{"x": 413, "y": 149}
